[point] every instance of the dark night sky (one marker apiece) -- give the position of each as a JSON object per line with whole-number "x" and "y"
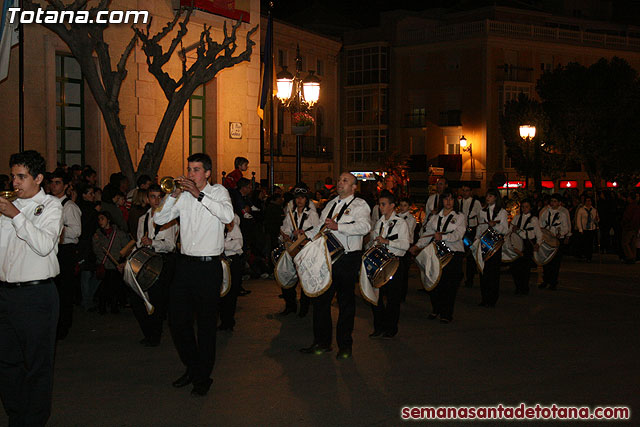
{"x": 364, "y": 13}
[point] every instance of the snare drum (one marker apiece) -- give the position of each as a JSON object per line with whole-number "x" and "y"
{"x": 443, "y": 252}
{"x": 469, "y": 237}
{"x": 513, "y": 247}
{"x": 490, "y": 242}
{"x": 277, "y": 253}
{"x": 146, "y": 266}
{"x": 548, "y": 248}
{"x": 336, "y": 250}
{"x": 380, "y": 265}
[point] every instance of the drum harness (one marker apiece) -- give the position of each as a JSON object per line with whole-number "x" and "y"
{"x": 524, "y": 227}
{"x": 337, "y": 218}
{"x": 552, "y": 222}
{"x": 392, "y": 237}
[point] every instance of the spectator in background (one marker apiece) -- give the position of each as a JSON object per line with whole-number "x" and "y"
{"x": 586, "y": 224}
{"x": 630, "y": 228}
{"x": 111, "y": 197}
{"x": 241, "y": 164}
{"x": 4, "y": 183}
{"x": 90, "y": 176}
{"x": 140, "y": 204}
{"x": 142, "y": 183}
{"x": 89, "y": 220}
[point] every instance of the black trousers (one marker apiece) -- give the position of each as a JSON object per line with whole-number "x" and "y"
{"x": 521, "y": 268}
{"x": 28, "y": 322}
{"x": 290, "y": 296}
{"x": 403, "y": 275}
{"x": 109, "y": 289}
{"x": 151, "y": 324}
{"x": 490, "y": 279}
{"x": 66, "y": 283}
{"x": 551, "y": 270}
{"x": 443, "y": 296}
{"x": 229, "y": 302}
{"x": 387, "y": 313}
{"x": 471, "y": 268}
{"x": 586, "y": 245}
{"x": 195, "y": 294}
{"x": 345, "y": 275}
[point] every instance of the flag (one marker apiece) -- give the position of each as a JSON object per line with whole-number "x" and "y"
{"x": 267, "y": 76}
{"x": 8, "y": 37}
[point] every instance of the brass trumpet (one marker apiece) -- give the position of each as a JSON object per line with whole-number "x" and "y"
{"x": 169, "y": 184}
{"x": 10, "y": 195}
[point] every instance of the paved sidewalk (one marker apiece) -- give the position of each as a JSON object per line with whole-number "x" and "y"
{"x": 578, "y": 345}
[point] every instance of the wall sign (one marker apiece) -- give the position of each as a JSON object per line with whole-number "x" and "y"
{"x": 235, "y": 130}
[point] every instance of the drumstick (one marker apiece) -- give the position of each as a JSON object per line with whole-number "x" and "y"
{"x": 111, "y": 257}
{"x": 295, "y": 226}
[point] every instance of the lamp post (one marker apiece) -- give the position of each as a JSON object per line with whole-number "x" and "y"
{"x": 528, "y": 132}
{"x": 298, "y": 95}
{"x": 466, "y": 147}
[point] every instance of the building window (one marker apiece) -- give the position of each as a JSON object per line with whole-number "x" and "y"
{"x": 366, "y": 145}
{"x": 320, "y": 67}
{"x": 368, "y": 65}
{"x": 196, "y": 121}
{"x": 452, "y": 144}
{"x": 282, "y": 58}
{"x": 367, "y": 106}
{"x": 69, "y": 110}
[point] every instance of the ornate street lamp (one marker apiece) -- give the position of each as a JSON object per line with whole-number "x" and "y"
{"x": 527, "y": 132}
{"x": 466, "y": 147}
{"x": 298, "y": 95}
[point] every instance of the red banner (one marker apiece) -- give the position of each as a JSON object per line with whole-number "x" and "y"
{"x": 226, "y": 8}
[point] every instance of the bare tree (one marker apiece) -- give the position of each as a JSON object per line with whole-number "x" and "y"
{"x": 105, "y": 82}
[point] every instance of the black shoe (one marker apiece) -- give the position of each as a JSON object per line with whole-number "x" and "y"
{"x": 375, "y": 334}
{"x": 388, "y": 335}
{"x": 542, "y": 285}
{"x": 286, "y": 311}
{"x": 244, "y": 292}
{"x": 316, "y": 349}
{"x": 184, "y": 380}
{"x": 344, "y": 354}
{"x": 444, "y": 320}
{"x": 201, "y": 388}
{"x": 432, "y": 316}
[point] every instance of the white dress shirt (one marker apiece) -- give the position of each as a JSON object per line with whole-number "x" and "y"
{"x": 201, "y": 223}
{"x": 233, "y": 239}
{"x": 411, "y": 223}
{"x": 488, "y": 214}
{"x": 72, "y": 224}
{"x": 162, "y": 242}
{"x": 473, "y": 216}
{"x": 305, "y": 221}
{"x": 527, "y": 229}
{"x": 396, "y": 230}
{"x": 29, "y": 241}
{"x": 556, "y": 221}
{"x": 452, "y": 227}
{"x": 582, "y": 219}
{"x": 352, "y": 226}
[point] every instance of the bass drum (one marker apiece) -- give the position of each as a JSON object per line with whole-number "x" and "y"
{"x": 548, "y": 248}
{"x": 146, "y": 266}
{"x": 513, "y": 247}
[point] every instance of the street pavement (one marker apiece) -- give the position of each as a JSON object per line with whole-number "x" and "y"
{"x": 578, "y": 345}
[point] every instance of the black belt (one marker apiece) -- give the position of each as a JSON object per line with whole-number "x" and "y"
{"x": 202, "y": 258}
{"x": 24, "y": 284}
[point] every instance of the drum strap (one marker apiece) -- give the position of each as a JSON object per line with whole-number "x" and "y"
{"x": 446, "y": 223}
{"x": 550, "y": 222}
{"x": 302, "y": 219}
{"x": 471, "y": 205}
{"x": 526, "y": 230}
{"x": 344, "y": 208}
{"x": 393, "y": 224}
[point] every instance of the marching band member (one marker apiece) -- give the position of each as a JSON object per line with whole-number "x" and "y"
{"x": 496, "y": 217}
{"x": 447, "y": 226}
{"x": 204, "y": 210}
{"x": 470, "y": 207}
{"x": 433, "y": 201}
{"x": 405, "y": 262}
{"x": 392, "y": 232}
{"x": 67, "y": 249}
{"x": 233, "y": 242}
{"x": 30, "y": 228}
{"x": 527, "y": 226}
{"x": 347, "y": 217}
{"x": 557, "y": 221}
{"x": 297, "y": 220}
{"x": 587, "y": 220}
{"x": 162, "y": 239}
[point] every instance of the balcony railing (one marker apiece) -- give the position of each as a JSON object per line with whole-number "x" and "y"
{"x": 312, "y": 146}
{"x": 437, "y": 33}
